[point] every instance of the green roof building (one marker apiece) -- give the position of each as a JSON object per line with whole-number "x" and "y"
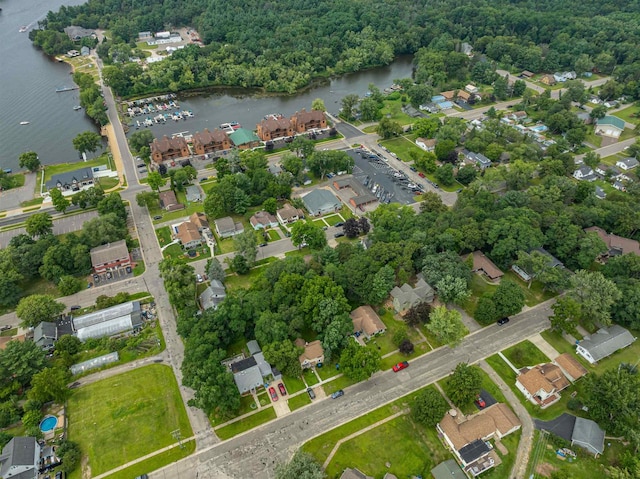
{"x": 611, "y": 120}
{"x": 244, "y": 138}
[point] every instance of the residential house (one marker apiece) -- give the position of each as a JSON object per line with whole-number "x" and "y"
{"x": 617, "y": 245}
{"x": 308, "y": 120}
{"x": 288, "y": 214}
{"x": 618, "y": 185}
{"x": 213, "y": 295}
{"x": 313, "y": 353}
{"x": 247, "y": 375}
{"x": 20, "y": 458}
{"x": 600, "y": 193}
{"x": 468, "y": 436}
{"x": 117, "y": 320}
{"x": 76, "y": 33}
{"x": 71, "y": 181}
{"x": 445, "y": 105}
{"x": 465, "y": 96}
{"x": 570, "y": 367}
{"x": 45, "y": 334}
{"x": 85, "y": 51}
{"x": 193, "y": 193}
{"x": 226, "y": 227}
{"x": 542, "y": 384}
{"x": 274, "y": 127}
{"x": 483, "y": 265}
{"x": 427, "y": 144}
{"x": 275, "y": 170}
{"x": 610, "y": 126}
{"x": 262, "y": 220}
{"x": 367, "y": 322}
{"x": 244, "y": 139}
{"x": 448, "y": 469}
{"x": 188, "y": 234}
{"x": 584, "y": 173}
{"x": 210, "y": 141}
{"x": 200, "y": 220}
{"x": 584, "y": 117}
{"x": 478, "y": 159}
{"x": 467, "y": 49}
{"x": 449, "y": 95}
{"x": 520, "y": 115}
{"x": 407, "y": 296}
{"x": 352, "y": 473}
{"x": 604, "y": 342}
{"x": 167, "y": 149}
{"x": 548, "y": 80}
{"x": 361, "y": 195}
{"x": 526, "y": 275}
{"x": 320, "y": 201}
{"x": 607, "y": 171}
{"x": 588, "y": 436}
{"x": 110, "y": 256}
{"x": 471, "y": 89}
{"x": 437, "y": 99}
{"x": 526, "y": 74}
{"x": 169, "y": 201}
{"x": 627, "y": 164}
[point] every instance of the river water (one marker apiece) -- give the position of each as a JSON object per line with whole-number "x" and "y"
{"x": 28, "y": 80}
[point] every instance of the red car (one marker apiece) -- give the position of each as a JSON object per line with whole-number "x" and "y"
{"x": 480, "y": 402}
{"x": 400, "y": 366}
{"x": 282, "y": 389}
{"x": 421, "y": 174}
{"x": 273, "y": 393}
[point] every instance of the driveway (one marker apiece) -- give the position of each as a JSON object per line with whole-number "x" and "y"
{"x": 11, "y": 199}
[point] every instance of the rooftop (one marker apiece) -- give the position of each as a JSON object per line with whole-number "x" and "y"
{"x": 607, "y": 341}
{"x": 611, "y": 121}
{"x": 109, "y": 252}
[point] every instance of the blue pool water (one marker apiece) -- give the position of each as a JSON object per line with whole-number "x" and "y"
{"x": 48, "y": 423}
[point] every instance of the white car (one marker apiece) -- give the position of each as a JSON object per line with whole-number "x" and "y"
{"x": 199, "y": 278}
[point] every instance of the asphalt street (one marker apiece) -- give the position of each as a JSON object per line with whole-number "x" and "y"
{"x": 63, "y": 225}
{"x": 255, "y": 453}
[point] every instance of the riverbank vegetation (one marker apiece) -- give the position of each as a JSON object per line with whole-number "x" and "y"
{"x": 271, "y": 48}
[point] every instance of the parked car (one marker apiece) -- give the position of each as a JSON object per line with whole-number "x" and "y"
{"x": 337, "y": 394}
{"x": 412, "y": 168}
{"x": 480, "y": 402}
{"x": 157, "y": 217}
{"x": 199, "y": 278}
{"x": 421, "y": 174}
{"x": 6, "y": 327}
{"x": 128, "y": 269}
{"x": 273, "y": 394}
{"x": 108, "y": 274}
{"x": 311, "y": 394}
{"x": 338, "y": 235}
{"x": 400, "y": 366}
{"x": 262, "y": 245}
{"x": 337, "y": 225}
{"x": 502, "y": 321}
{"x": 59, "y": 475}
{"x": 282, "y": 389}
{"x": 75, "y": 307}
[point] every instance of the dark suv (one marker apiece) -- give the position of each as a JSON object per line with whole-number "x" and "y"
{"x": 502, "y": 321}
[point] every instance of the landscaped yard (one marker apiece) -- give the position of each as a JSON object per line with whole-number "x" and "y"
{"x": 535, "y": 294}
{"x": 384, "y": 342}
{"x": 310, "y": 378}
{"x": 51, "y": 170}
{"x": 233, "y": 429}
{"x": 236, "y": 281}
{"x": 124, "y": 417}
{"x": 394, "y": 108}
{"x": 164, "y": 235}
{"x": 401, "y": 146}
{"x": 487, "y": 384}
{"x": 525, "y": 354}
{"x": 478, "y": 287}
{"x": 333, "y": 219}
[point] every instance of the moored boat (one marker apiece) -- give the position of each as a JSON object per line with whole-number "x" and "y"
{"x": 24, "y": 122}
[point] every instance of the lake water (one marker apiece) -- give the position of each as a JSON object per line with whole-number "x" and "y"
{"x": 28, "y": 80}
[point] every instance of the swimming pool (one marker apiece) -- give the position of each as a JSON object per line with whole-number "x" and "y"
{"x": 49, "y": 423}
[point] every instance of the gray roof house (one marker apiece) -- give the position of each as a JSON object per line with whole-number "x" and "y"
{"x": 584, "y": 173}
{"x": 320, "y": 202}
{"x": 45, "y": 334}
{"x": 246, "y": 374}
{"x": 20, "y": 458}
{"x": 226, "y": 227}
{"x": 448, "y": 469}
{"x": 263, "y": 365}
{"x": 213, "y": 295}
{"x": 610, "y": 126}
{"x": 406, "y": 296}
{"x": 194, "y": 193}
{"x": 604, "y": 342}
{"x": 627, "y": 163}
{"x": 71, "y": 180}
{"x": 600, "y": 193}
{"x": 76, "y": 33}
{"x": 588, "y": 435}
{"x": 253, "y": 347}
{"x": 478, "y": 159}
{"x": 118, "y": 319}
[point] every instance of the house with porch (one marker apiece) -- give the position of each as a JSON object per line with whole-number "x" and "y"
{"x": 189, "y": 235}
{"x": 427, "y": 144}
{"x": 541, "y": 384}
{"x": 206, "y": 141}
{"x": 289, "y": 214}
{"x": 226, "y": 227}
{"x": 167, "y": 149}
{"x": 262, "y": 220}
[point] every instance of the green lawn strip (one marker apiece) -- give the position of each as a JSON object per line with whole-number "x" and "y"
{"x": 299, "y": 252}
{"x": 309, "y": 377}
{"x": 338, "y": 383}
{"x": 611, "y": 159}
{"x": 487, "y": 384}
{"x": 9, "y": 332}
{"x": 333, "y": 219}
{"x": 164, "y": 235}
{"x": 328, "y": 370}
{"x": 106, "y": 183}
{"x": 556, "y": 340}
{"x": 155, "y": 462}
{"x": 50, "y": 170}
{"x": 39, "y": 286}
{"x": 118, "y": 419}
{"x": 450, "y": 188}
{"x": 389, "y": 361}
{"x": 139, "y": 268}
{"x": 224, "y": 246}
{"x": 593, "y": 139}
{"x": 629, "y": 114}
{"x": 236, "y": 281}
{"x": 411, "y": 450}
{"x": 296, "y": 402}
{"x": 273, "y": 235}
{"x": 525, "y": 354}
{"x": 233, "y": 429}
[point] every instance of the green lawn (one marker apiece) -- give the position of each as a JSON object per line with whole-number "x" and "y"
{"x": 33, "y": 202}
{"x": 525, "y": 354}
{"x": 401, "y": 146}
{"x": 394, "y": 108}
{"x": 478, "y": 287}
{"x": 389, "y": 361}
{"x": 164, "y": 235}
{"x": 236, "y": 281}
{"x": 224, "y": 246}
{"x": 139, "y": 268}
{"x": 176, "y": 251}
{"x": 338, "y": 383}
{"x": 384, "y": 342}
{"x": 273, "y": 235}
{"x": 556, "y": 340}
{"x": 611, "y": 160}
{"x": 629, "y": 114}
{"x": 124, "y": 417}
{"x": 328, "y": 370}
{"x": 50, "y": 170}
{"x": 298, "y": 401}
{"x": 593, "y": 139}
{"x": 106, "y": 183}
{"x": 487, "y": 384}
{"x": 233, "y": 429}
{"x": 9, "y": 332}
{"x": 410, "y": 449}
{"x": 532, "y": 296}
{"x": 333, "y": 219}
{"x": 155, "y": 462}
{"x": 309, "y": 377}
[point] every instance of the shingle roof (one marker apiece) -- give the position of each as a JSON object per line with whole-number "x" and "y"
{"x": 213, "y": 295}
{"x": 109, "y": 252}
{"x": 303, "y": 116}
{"x": 165, "y": 144}
{"x": 571, "y": 366}
{"x": 588, "y": 435}
{"x": 167, "y": 198}
{"x": 253, "y": 347}
{"x": 607, "y": 341}
{"x": 19, "y": 451}
{"x": 481, "y": 262}
{"x": 448, "y": 469}
{"x": 628, "y": 162}
{"x": 365, "y": 319}
{"x": 320, "y": 200}
{"x": 193, "y": 193}
{"x": 546, "y": 377}
{"x": 70, "y": 177}
{"x": 188, "y": 232}
{"x": 312, "y": 350}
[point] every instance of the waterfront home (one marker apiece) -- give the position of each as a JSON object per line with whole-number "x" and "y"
{"x": 169, "y": 149}
{"x": 210, "y": 141}
{"x": 71, "y": 181}
{"x": 244, "y": 139}
{"x": 308, "y": 120}
{"x": 274, "y": 127}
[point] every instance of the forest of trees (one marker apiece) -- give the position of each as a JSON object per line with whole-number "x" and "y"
{"x": 261, "y": 45}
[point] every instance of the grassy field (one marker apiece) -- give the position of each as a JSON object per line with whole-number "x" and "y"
{"x": 233, "y": 429}
{"x": 155, "y": 462}
{"x": 394, "y": 108}
{"x": 629, "y": 114}
{"x": 401, "y": 146}
{"x": 122, "y": 418}
{"x": 236, "y": 281}
{"x": 525, "y": 354}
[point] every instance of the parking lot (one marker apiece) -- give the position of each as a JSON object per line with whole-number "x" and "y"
{"x": 112, "y": 276}
{"x": 388, "y": 184}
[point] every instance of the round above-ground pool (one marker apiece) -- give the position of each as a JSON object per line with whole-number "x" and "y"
{"x": 49, "y": 423}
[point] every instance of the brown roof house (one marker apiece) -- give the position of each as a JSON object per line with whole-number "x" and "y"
{"x": 407, "y": 296}
{"x": 570, "y": 366}
{"x": 366, "y": 321}
{"x": 110, "y": 256}
{"x": 548, "y": 80}
{"x": 427, "y": 144}
{"x": 188, "y": 235}
{"x": 274, "y": 127}
{"x": 289, "y": 214}
{"x": 210, "y": 141}
{"x": 468, "y": 436}
{"x": 200, "y": 220}
{"x": 313, "y": 353}
{"x": 303, "y": 120}
{"x": 169, "y": 202}
{"x": 483, "y": 265}
{"x": 263, "y": 220}
{"x": 542, "y": 384}
{"x": 169, "y": 149}
{"x": 617, "y": 245}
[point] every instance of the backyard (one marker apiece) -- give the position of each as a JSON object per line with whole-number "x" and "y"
{"x": 127, "y": 416}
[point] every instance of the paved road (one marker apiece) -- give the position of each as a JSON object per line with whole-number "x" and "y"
{"x": 11, "y": 199}
{"x": 256, "y": 453}
{"x": 555, "y": 94}
{"x": 610, "y": 149}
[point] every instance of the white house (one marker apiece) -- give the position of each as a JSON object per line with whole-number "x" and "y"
{"x": 604, "y": 342}
{"x": 584, "y": 173}
{"x": 627, "y": 164}
{"x": 471, "y": 89}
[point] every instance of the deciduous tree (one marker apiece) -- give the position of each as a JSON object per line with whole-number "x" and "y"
{"x": 29, "y": 160}
{"x": 452, "y": 290}
{"x": 50, "y": 384}
{"x": 429, "y": 407}
{"x": 446, "y": 325}
{"x": 147, "y": 199}
{"x": 285, "y": 356}
{"x": 39, "y": 224}
{"x": 87, "y": 141}
{"x": 595, "y": 294}
{"x": 508, "y": 298}
{"x": 463, "y": 384}
{"x": 60, "y": 203}
{"x": 301, "y": 466}
{"x": 155, "y": 180}
{"x": 566, "y": 314}
{"x": 359, "y": 363}
{"x": 34, "y": 309}
{"x": 307, "y": 232}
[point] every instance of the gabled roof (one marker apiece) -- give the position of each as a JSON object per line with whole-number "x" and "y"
{"x": 193, "y": 193}
{"x": 611, "y": 120}
{"x": 44, "y": 333}
{"x": 188, "y": 232}
{"x": 166, "y": 144}
{"x": 109, "y": 252}
{"x": 481, "y": 262}
{"x": 553, "y": 261}
{"x": 168, "y": 198}
{"x": 546, "y": 377}
{"x": 319, "y": 200}
{"x": 207, "y": 137}
{"x": 263, "y": 218}
{"x": 199, "y": 219}
{"x": 213, "y": 295}
{"x": 365, "y": 319}
{"x": 625, "y": 245}
{"x": 628, "y": 162}
{"x": 350, "y": 473}
{"x": 275, "y": 123}
{"x": 303, "y": 116}
{"x": 570, "y": 366}
{"x": 474, "y": 450}
{"x": 312, "y": 350}
{"x": 588, "y": 435}
{"x": 607, "y": 341}
{"x": 288, "y": 211}
{"x": 70, "y": 177}
{"x": 19, "y": 451}
{"x": 253, "y": 347}
{"x": 448, "y": 469}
